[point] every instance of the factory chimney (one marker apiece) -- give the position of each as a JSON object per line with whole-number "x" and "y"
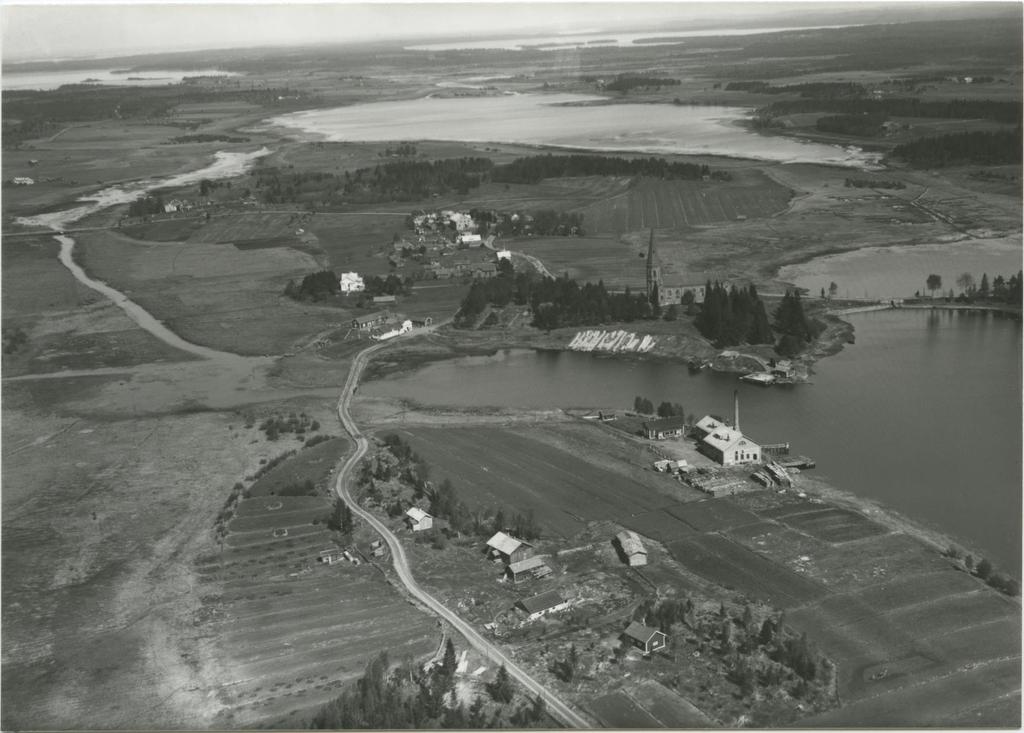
{"x": 736, "y": 410}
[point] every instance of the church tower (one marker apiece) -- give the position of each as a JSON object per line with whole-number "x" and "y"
{"x": 653, "y": 270}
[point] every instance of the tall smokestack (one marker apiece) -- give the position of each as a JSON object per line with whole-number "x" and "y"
{"x": 736, "y": 409}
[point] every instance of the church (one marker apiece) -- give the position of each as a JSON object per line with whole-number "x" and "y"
{"x": 672, "y": 289}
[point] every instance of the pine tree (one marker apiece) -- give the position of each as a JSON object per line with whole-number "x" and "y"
{"x": 501, "y": 689}
{"x": 448, "y": 662}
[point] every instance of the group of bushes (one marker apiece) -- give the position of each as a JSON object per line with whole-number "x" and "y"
{"x": 644, "y": 406}
{"x": 983, "y": 569}
{"x": 273, "y": 427}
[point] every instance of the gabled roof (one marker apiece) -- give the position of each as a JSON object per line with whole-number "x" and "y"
{"x": 506, "y": 544}
{"x": 371, "y": 317}
{"x": 666, "y": 423}
{"x": 709, "y": 423}
{"x": 641, "y": 633}
{"x": 724, "y": 439}
{"x": 542, "y": 601}
{"x": 416, "y": 514}
{"x": 630, "y": 542}
{"x": 528, "y": 564}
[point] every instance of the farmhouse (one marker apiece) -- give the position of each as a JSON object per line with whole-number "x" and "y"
{"x": 352, "y": 282}
{"x": 531, "y": 567}
{"x": 470, "y": 240}
{"x": 365, "y": 323}
{"x": 645, "y": 638}
{"x": 22, "y": 181}
{"x": 667, "y": 427}
{"x": 504, "y": 254}
{"x": 542, "y": 604}
{"x": 508, "y": 549}
{"x": 632, "y": 549}
{"x": 331, "y": 556}
{"x": 417, "y": 520}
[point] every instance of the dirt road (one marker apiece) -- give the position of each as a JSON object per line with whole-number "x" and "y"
{"x": 555, "y": 705}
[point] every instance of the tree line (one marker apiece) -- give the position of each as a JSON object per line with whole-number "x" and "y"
{"x": 535, "y": 168}
{"x": 406, "y": 696}
{"x": 644, "y": 406}
{"x": 325, "y": 284}
{"x": 627, "y": 82}
{"x": 988, "y": 148}
{"x": 958, "y": 109}
{"x": 733, "y": 316}
{"x": 809, "y": 90}
{"x": 864, "y": 125}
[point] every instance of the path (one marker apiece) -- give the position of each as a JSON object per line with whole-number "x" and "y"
{"x": 556, "y": 707}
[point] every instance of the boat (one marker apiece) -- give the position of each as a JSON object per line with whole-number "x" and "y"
{"x": 762, "y": 378}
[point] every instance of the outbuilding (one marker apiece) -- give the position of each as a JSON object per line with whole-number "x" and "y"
{"x": 666, "y": 427}
{"x": 531, "y": 567}
{"x": 633, "y": 551}
{"x": 418, "y": 520}
{"x": 645, "y": 638}
{"x": 508, "y": 549}
{"x": 542, "y": 604}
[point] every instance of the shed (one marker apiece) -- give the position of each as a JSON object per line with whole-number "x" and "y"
{"x": 531, "y": 567}
{"x": 645, "y": 638}
{"x": 667, "y": 427}
{"x": 633, "y": 551}
{"x": 417, "y": 519}
{"x": 508, "y": 549}
{"x": 550, "y": 601}
{"x": 385, "y": 299}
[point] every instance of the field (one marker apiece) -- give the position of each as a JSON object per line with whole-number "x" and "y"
{"x": 291, "y": 632}
{"x": 590, "y": 258}
{"x": 525, "y": 470}
{"x": 674, "y": 204}
{"x": 313, "y": 464}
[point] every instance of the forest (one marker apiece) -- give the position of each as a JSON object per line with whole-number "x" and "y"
{"x": 986, "y": 148}
{"x": 625, "y": 82}
{"x": 733, "y": 316}
{"x": 535, "y": 168}
{"x": 954, "y": 109}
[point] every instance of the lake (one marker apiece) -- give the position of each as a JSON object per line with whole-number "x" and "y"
{"x": 44, "y": 80}
{"x": 566, "y": 120}
{"x": 897, "y": 272}
{"x": 923, "y": 414}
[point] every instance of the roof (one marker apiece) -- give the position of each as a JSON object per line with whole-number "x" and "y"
{"x": 630, "y": 542}
{"x": 371, "y": 317}
{"x": 725, "y": 438}
{"x": 640, "y": 632}
{"x": 666, "y": 423}
{"x": 528, "y": 564}
{"x": 416, "y": 514}
{"x": 505, "y": 543}
{"x": 542, "y": 601}
{"x": 709, "y": 423}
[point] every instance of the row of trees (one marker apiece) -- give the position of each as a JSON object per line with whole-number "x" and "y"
{"x": 146, "y": 206}
{"x": 733, "y": 316}
{"x": 986, "y": 148}
{"x": 644, "y": 406}
{"x": 1002, "y": 290}
{"x": 536, "y": 168}
{"x": 324, "y": 284}
{"x": 626, "y": 82}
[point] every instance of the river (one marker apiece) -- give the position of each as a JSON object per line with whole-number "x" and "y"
{"x": 566, "y": 120}
{"x": 922, "y": 414}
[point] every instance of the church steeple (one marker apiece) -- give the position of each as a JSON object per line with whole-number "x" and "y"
{"x": 653, "y": 270}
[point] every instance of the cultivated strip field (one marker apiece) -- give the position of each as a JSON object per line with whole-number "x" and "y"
{"x": 246, "y": 227}
{"x": 678, "y": 204}
{"x": 291, "y": 631}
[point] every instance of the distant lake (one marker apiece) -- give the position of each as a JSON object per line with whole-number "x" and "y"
{"x": 598, "y": 39}
{"x": 898, "y": 272}
{"x": 45, "y": 80}
{"x": 921, "y": 414}
{"x": 566, "y": 120}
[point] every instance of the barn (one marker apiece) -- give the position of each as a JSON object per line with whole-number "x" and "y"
{"x": 508, "y": 549}
{"x": 632, "y": 549}
{"x": 418, "y": 520}
{"x": 531, "y": 567}
{"x": 645, "y": 638}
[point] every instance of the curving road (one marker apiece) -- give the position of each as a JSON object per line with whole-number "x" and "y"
{"x": 555, "y": 706}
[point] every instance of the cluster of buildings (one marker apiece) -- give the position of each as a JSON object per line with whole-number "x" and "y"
{"x": 725, "y": 444}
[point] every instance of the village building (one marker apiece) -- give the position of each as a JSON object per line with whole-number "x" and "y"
{"x": 471, "y": 240}
{"x": 504, "y": 254}
{"x": 331, "y": 556}
{"x": 645, "y": 638}
{"x": 633, "y": 551}
{"x": 377, "y": 548}
{"x": 385, "y": 299}
{"x": 666, "y": 427}
{"x": 351, "y": 282}
{"x": 422, "y": 322}
{"x": 543, "y": 604}
{"x": 670, "y": 289}
{"x": 365, "y": 323}
{"x": 418, "y": 520}
{"x": 730, "y": 447}
{"x": 508, "y": 549}
{"x": 531, "y": 567}
{"x": 485, "y": 269}
{"x": 22, "y": 181}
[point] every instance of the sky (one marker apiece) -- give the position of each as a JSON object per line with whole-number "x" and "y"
{"x": 53, "y": 32}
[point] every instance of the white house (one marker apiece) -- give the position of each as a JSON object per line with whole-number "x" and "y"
{"x": 404, "y": 328}
{"x": 504, "y": 254}
{"x": 22, "y": 181}
{"x": 351, "y": 282}
{"x": 417, "y": 519}
{"x": 471, "y": 240}
{"x": 540, "y": 605}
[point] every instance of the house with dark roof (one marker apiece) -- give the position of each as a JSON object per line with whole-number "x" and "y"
{"x": 645, "y": 638}
{"x": 542, "y": 604}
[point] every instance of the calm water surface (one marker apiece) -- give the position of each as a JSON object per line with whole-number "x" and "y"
{"x": 565, "y": 120}
{"x": 922, "y": 414}
{"x": 44, "y": 80}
